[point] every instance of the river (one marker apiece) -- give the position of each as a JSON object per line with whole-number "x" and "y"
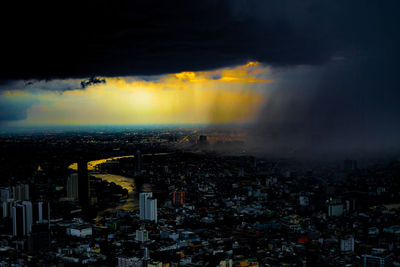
{"x": 128, "y": 183}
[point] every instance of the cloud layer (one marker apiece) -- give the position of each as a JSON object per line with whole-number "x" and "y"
{"x": 122, "y": 38}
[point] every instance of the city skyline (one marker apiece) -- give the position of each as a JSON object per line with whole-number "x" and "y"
{"x": 217, "y": 133}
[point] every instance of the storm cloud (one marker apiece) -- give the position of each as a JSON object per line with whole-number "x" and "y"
{"x": 343, "y": 107}
{"x": 120, "y": 38}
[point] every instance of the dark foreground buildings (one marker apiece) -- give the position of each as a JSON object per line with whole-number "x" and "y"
{"x": 83, "y": 183}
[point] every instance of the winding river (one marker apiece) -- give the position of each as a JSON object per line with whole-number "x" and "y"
{"x": 128, "y": 183}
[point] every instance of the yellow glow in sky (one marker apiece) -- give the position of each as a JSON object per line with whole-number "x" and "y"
{"x": 219, "y": 96}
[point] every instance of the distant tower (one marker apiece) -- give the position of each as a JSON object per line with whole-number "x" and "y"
{"x": 72, "y": 186}
{"x": 202, "y": 142}
{"x": 138, "y": 163}
{"x": 202, "y": 138}
{"x": 83, "y": 183}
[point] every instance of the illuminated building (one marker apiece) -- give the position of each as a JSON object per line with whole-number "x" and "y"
{"x": 178, "y": 198}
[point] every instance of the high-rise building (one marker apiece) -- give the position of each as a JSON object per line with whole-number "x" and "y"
{"x": 142, "y": 235}
{"x": 18, "y": 216}
{"x": 72, "y": 186}
{"x": 41, "y": 212}
{"x": 148, "y": 206}
{"x": 138, "y": 163}
{"x": 143, "y": 202}
{"x": 21, "y": 192}
{"x": 151, "y": 209}
{"x": 178, "y": 197}
{"x": 6, "y": 202}
{"x": 28, "y": 216}
{"x": 22, "y": 218}
{"x": 7, "y": 208}
{"x": 83, "y": 183}
{"x": 5, "y": 194}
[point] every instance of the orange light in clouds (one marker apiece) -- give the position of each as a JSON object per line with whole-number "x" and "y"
{"x": 219, "y": 96}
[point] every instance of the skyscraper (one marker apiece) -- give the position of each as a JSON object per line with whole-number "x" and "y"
{"x": 22, "y": 218}
{"x": 41, "y": 212}
{"x": 28, "y": 216}
{"x": 7, "y": 207}
{"x": 142, "y": 203}
{"x": 5, "y": 194}
{"x": 72, "y": 186}
{"x": 83, "y": 183}
{"x": 151, "y": 209}
{"x": 178, "y": 198}
{"x": 18, "y": 216}
{"x": 138, "y": 163}
{"x": 21, "y": 192}
{"x": 148, "y": 207}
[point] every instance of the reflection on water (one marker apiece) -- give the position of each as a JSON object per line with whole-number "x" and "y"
{"x": 126, "y": 183}
{"x": 132, "y": 202}
{"x": 92, "y": 164}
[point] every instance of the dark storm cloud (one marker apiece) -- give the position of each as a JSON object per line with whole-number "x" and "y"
{"x": 92, "y": 81}
{"x": 347, "y": 104}
{"x": 118, "y": 38}
{"x": 343, "y": 107}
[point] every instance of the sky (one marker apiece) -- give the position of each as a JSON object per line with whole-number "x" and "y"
{"x": 310, "y": 74}
{"x": 226, "y": 95}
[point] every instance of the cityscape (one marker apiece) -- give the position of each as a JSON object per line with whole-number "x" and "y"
{"x": 218, "y": 133}
{"x": 161, "y": 197}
